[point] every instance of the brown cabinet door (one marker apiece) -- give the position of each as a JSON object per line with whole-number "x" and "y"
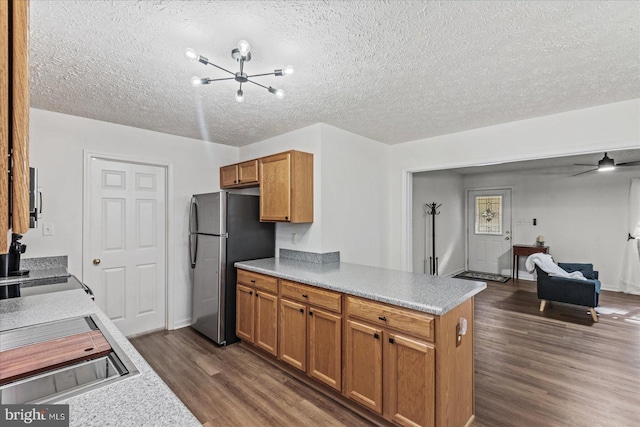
{"x": 325, "y": 343}
{"x": 228, "y": 176}
{"x": 248, "y": 172}
{"x": 364, "y": 365}
{"x": 293, "y": 334}
{"x": 245, "y": 320}
{"x": 410, "y": 381}
{"x": 266, "y": 335}
{"x": 275, "y": 188}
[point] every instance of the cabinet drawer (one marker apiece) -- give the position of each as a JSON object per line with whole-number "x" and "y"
{"x": 407, "y": 321}
{"x": 259, "y": 281}
{"x": 313, "y": 296}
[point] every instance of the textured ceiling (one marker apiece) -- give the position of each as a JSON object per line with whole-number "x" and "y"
{"x": 393, "y": 71}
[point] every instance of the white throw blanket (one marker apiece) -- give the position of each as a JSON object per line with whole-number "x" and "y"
{"x": 545, "y": 262}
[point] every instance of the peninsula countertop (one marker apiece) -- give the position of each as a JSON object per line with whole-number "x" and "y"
{"x": 430, "y": 294}
{"x": 142, "y": 400}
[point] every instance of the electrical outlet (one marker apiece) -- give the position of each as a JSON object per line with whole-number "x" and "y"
{"x": 48, "y": 229}
{"x": 294, "y": 238}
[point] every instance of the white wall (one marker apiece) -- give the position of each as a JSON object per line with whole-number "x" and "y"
{"x": 444, "y": 188}
{"x": 57, "y": 142}
{"x": 350, "y": 193}
{"x": 354, "y": 196}
{"x": 582, "y": 219}
{"x": 605, "y": 127}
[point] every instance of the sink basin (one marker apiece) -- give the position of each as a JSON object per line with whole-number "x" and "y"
{"x": 63, "y": 382}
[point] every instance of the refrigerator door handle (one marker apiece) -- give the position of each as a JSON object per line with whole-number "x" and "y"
{"x": 193, "y": 249}
{"x": 193, "y": 216}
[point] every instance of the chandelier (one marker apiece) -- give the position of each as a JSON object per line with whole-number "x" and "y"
{"x": 241, "y": 54}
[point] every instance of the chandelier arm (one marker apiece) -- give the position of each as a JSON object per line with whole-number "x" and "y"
{"x": 217, "y": 80}
{"x": 265, "y": 74}
{"x": 258, "y": 84}
{"x": 220, "y": 68}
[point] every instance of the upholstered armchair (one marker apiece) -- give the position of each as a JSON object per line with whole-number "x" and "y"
{"x": 571, "y": 291}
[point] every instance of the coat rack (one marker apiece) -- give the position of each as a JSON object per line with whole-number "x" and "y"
{"x": 432, "y": 209}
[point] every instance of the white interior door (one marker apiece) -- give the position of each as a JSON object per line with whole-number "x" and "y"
{"x": 489, "y": 231}
{"x": 124, "y": 259}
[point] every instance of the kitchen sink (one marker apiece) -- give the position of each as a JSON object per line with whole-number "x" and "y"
{"x": 61, "y": 383}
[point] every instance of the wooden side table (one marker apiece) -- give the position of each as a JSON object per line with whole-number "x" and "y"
{"x": 525, "y": 250}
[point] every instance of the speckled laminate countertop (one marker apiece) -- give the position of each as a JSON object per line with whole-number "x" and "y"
{"x": 144, "y": 400}
{"x": 45, "y": 273}
{"x": 430, "y": 294}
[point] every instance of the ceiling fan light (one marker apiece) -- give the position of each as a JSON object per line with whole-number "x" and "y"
{"x": 606, "y": 168}
{"x": 288, "y": 70}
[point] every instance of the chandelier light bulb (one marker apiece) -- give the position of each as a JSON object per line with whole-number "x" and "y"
{"x": 196, "y": 81}
{"x": 244, "y": 47}
{"x": 239, "y": 95}
{"x": 288, "y": 70}
{"x": 191, "y": 54}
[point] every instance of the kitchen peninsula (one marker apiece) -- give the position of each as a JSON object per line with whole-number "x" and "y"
{"x": 399, "y": 344}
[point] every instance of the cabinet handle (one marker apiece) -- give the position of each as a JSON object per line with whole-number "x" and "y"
{"x": 252, "y": 281}
{"x": 376, "y": 336}
{"x": 235, "y": 182}
{"x": 286, "y": 217}
{"x": 302, "y": 310}
{"x": 390, "y": 340}
{"x": 305, "y": 296}
{"x": 250, "y": 292}
{"x": 310, "y": 313}
{"x": 384, "y": 319}
{"x": 256, "y": 293}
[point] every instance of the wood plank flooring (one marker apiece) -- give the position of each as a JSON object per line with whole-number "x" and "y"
{"x": 555, "y": 368}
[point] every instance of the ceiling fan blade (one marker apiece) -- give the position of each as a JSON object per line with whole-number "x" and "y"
{"x": 629, "y": 163}
{"x": 582, "y": 173}
{"x": 584, "y": 164}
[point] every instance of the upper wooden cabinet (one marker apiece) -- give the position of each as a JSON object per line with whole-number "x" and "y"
{"x": 286, "y": 187}
{"x": 14, "y": 117}
{"x": 240, "y": 175}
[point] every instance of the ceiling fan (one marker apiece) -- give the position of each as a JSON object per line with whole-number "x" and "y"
{"x": 606, "y": 164}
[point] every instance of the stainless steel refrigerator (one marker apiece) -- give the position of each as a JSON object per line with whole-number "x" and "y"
{"x": 223, "y": 228}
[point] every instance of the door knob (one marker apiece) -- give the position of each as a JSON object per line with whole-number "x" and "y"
{"x": 96, "y": 261}
{"x": 507, "y": 238}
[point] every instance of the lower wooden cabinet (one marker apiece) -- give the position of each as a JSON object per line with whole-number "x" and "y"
{"x": 256, "y": 318}
{"x": 410, "y": 380}
{"x": 311, "y": 341}
{"x": 245, "y": 313}
{"x": 364, "y": 365}
{"x": 266, "y": 335}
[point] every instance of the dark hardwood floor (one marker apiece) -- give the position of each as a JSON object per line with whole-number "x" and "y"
{"x": 555, "y": 368}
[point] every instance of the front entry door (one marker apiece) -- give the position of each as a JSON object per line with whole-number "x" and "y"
{"x": 489, "y": 231}
{"x": 124, "y": 260}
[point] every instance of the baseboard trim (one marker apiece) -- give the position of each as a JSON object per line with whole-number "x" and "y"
{"x": 455, "y": 272}
{"x": 181, "y": 324}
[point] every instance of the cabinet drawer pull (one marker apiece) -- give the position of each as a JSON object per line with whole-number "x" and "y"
{"x": 252, "y": 281}
{"x": 305, "y": 296}
{"x": 302, "y": 310}
{"x": 390, "y": 340}
{"x": 384, "y": 319}
{"x": 376, "y": 336}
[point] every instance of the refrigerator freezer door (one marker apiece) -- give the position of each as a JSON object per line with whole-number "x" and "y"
{"x": 208, "y": 289}
{"x": 209, "y": 217}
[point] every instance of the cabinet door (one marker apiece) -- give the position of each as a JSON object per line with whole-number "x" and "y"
{"x": 293, "y": 334}
{"x": 410, "y": 391}
{"x": 248, "y": 172}
{"x": 228, "y": 176}
{"x": 275, "y": 187}
{"x": 364, "y": 365}
{"x": 325, "y": 342}
{"x": 245, "y": 310}
{"x": 266, "y": 336}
